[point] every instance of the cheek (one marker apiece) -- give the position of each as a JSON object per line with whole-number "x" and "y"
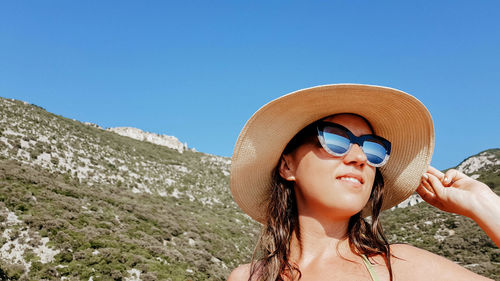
{"x": 370, "y": 175}
{"x": 313, "y": 173}
{"x": 370, "y": 179}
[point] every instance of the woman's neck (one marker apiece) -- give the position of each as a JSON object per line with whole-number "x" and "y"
{"x": 319, "y": 238}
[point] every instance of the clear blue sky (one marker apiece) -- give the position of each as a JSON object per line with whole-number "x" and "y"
{"x": 199, "y": 69}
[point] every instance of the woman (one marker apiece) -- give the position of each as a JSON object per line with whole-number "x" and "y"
{"x": 313, "y": 165}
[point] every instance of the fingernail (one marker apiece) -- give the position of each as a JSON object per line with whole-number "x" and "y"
{"x": 445, "y": 179}
{"x": 425, "y": 176}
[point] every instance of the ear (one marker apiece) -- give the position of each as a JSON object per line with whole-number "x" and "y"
{"x": 286, "y": 168}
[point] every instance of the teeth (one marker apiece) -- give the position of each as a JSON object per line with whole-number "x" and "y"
{"x": 350, "y": 179}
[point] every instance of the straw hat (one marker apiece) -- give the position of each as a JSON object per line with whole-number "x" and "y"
{"x": 393, "y": 114}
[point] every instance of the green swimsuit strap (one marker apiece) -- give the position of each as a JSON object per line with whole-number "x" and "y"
{"x": 368, "y": 265}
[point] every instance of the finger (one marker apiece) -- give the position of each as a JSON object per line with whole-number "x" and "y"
{"x": 429, "y": 191}
{"x": 436, "y": 185}
{"x": 425, "y": 194}
{"x": 452, "y": 175}
{"x": 449, "y": 176}
{"x": 425, "y": 184}
{"x": 428, "y": 196}
{"x": 435, "y": 172}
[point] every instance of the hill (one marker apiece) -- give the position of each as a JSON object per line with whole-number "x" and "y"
{"x": 108, "y": 207}
{"x": 78, "y": 202}
{"x": 450, "y": 235}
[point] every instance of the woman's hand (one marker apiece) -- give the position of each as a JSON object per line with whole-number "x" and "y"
{"x": 452, "y": 192}
{"x": 457, "y": 193}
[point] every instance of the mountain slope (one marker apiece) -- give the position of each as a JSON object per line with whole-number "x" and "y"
{"x": 450, "y": 235}
{"x": 81, "y": 203}
{"x": 110, "y": 204}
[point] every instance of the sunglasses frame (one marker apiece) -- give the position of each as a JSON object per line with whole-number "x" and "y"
{"x": 352, "y": 140}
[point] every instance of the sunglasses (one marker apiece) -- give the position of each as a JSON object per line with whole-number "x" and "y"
{"x": 337, "y": 140}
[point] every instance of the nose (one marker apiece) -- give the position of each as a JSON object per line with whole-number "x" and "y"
{"x": 355, "y": 156}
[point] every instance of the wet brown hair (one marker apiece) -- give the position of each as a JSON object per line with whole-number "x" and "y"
{"x": 270, "y": 260}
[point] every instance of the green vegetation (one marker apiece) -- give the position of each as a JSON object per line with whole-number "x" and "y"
{"x": 110, "y": 204}
{"x": 103, "y": 231}
{"x": 455, "y": 237}
{"x": 452, "y": 236}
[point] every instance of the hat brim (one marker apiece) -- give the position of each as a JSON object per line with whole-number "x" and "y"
{"x": 394, "y": 115}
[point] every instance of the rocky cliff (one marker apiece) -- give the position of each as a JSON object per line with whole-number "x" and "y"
{"x": 138, "y": 134}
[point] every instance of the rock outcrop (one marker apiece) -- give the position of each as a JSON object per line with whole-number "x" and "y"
{"x": 138, "y": 134}
{"x": 478, "y": 162}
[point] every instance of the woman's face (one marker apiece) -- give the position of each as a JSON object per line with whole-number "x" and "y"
{"x": 327, "y": 185}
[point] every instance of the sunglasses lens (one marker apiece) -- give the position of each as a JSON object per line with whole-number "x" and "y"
{"x": 336, "y": 140}
{"x": 375, "y": 151}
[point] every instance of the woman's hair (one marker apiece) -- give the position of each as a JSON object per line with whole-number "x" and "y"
{"x": 270, "y": 260}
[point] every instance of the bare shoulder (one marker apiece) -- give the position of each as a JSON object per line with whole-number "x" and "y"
{"x": 412, "y": 263}
{"x": 241, "y": 273}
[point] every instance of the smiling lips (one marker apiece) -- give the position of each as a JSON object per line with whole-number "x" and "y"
{"x": 356, "y": 179}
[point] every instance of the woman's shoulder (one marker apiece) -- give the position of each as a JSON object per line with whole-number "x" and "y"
{"x": 409, "y": 262}
{"x": 241, "y": 273}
